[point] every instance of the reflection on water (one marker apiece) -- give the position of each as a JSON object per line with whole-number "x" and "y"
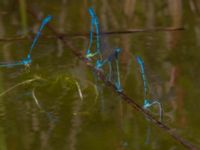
{"x": 71, "y": 108}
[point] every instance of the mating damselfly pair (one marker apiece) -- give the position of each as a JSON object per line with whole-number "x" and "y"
{"x": 27, "y": 60}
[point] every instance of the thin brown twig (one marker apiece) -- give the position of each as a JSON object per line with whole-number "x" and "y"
{"x": 126, "y": 98}
{"x": 84, "y": 34}
{"x": 23, "y": 38}
{"x": 129, "y": 31}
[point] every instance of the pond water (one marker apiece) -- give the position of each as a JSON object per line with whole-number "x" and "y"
{"x": 59, "y": 103}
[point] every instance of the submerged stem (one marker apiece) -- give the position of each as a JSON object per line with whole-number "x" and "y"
{"x": 35, "y": 99}
{"x": 79, "y": 90}
{"x": 20, "y": 84}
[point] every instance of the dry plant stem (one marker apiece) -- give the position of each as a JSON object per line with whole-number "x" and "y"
{"x": 126, "y": 98}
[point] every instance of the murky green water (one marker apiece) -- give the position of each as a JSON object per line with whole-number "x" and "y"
{"x": 45, "y": 110}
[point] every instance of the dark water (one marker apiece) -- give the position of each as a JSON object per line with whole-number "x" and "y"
{"x": 45, "y": 109}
